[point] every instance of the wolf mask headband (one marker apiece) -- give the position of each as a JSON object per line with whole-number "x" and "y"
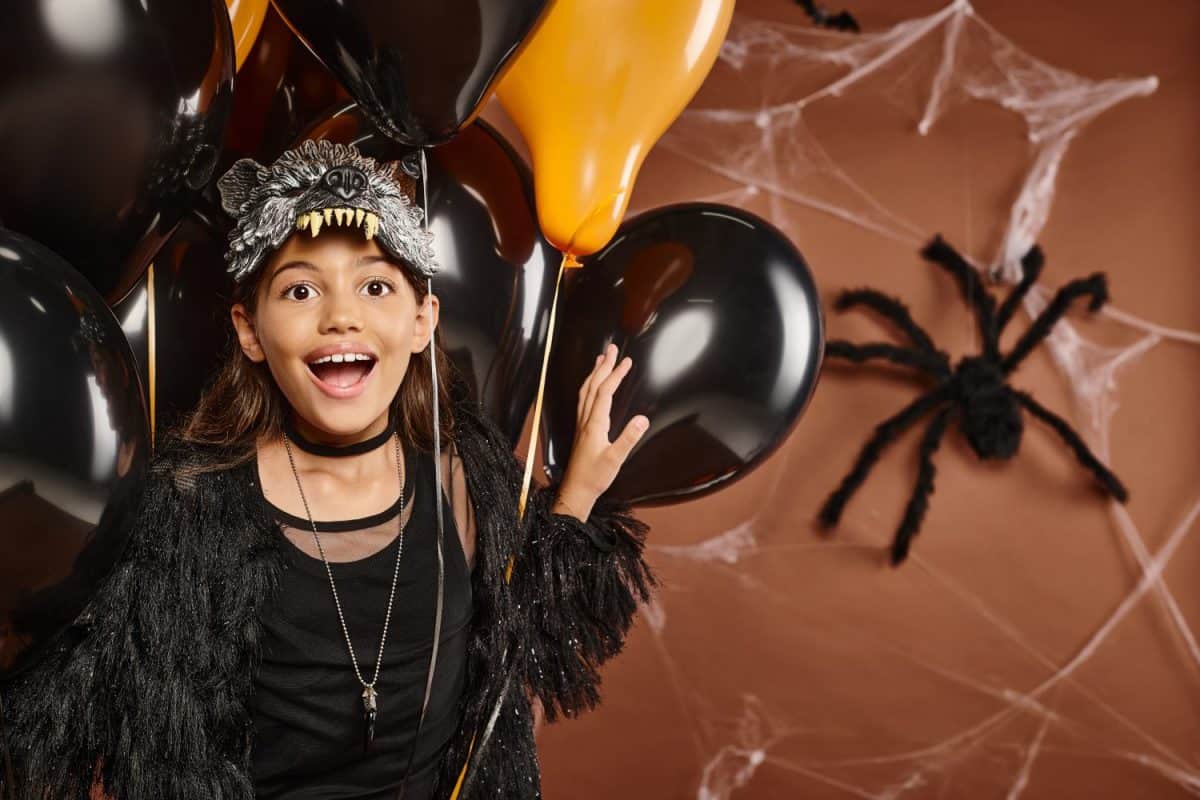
{"x": 315, "y": 185}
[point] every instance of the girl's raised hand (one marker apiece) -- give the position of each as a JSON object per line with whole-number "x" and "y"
{"x": 595, "y": 461}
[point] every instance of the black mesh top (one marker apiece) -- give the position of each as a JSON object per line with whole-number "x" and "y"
{"x": 307, "y": 704}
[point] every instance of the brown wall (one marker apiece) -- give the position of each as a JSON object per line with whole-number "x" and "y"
{"x": 1018, "y": 652}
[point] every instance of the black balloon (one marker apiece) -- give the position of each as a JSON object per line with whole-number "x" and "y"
{"x": 111, "y": 114}
{"x": 721, "y": 317}
{"x": 497, "y": 272}
{"x": 192, "y": 329}
{"x": 73, "y": 446}
{"x": 419, "y": 69}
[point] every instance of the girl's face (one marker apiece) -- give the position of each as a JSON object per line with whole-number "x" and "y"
{"x": 336, "y": 321}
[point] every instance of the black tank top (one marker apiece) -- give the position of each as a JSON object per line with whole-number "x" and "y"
{"x": 307, "y": 703}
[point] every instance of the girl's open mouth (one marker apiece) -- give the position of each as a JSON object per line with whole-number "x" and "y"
{"x": 342, "y": 375}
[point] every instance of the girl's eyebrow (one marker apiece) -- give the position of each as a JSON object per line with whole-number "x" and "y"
{"x": 362, "y": 261}
{"x": 293, "y": 265}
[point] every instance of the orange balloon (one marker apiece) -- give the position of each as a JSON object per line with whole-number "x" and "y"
{"x": 591, "y": 92}
{"x": 246, "y": 17}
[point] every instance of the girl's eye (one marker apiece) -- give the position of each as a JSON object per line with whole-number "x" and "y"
{"x": 298, "y": 291}
{"x": 378, "y": 287}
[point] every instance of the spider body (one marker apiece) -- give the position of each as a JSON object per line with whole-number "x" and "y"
{"x": 975, "y": 392}
{"x": 988, "y": 412}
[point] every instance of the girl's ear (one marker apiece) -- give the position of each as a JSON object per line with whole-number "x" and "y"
{"x": 427, "y": 319}
{"x": 243, "y": 324}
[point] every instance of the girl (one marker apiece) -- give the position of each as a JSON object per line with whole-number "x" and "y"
{"x": 302, "y": 612}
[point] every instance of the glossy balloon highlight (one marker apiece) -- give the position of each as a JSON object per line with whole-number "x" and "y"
{"x": 721, "y": 316}
{"x": 246, "y": 17}
{"x": 110, "y": 120}
{"x": 73, "y": 445}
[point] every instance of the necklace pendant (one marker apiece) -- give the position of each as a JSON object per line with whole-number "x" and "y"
{"x": 370, "y": 713}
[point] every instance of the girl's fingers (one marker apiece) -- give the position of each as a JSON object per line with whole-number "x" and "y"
{"x": 585, "y": 391}
{"x": 588, "y": 390}
{"x": 607, "y": 361}
{"x": 619, "y": 450}
{"x": 602, "y": 405}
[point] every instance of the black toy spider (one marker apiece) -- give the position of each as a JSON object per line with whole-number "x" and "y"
{"x": 974, "y": 391}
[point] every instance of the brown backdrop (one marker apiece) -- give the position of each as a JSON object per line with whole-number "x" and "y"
{"x": 1039, "y": 642}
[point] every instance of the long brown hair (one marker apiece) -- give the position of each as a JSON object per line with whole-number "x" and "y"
{"x": 242, "y": 403}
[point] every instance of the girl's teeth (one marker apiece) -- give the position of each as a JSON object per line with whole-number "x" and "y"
{"x": 340, "y": 358}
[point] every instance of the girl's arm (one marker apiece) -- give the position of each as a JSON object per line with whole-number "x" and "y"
{"x": 117, "y": 706}
{"x": 58, "y": 711}
{"x": 583, "y": 571}
{"x": 578, "y": 573}
{"x": 580, "y": 583}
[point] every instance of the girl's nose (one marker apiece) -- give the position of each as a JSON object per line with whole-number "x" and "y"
{"x": 341, "y": 314}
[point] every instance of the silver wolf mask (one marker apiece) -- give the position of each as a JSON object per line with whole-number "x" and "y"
{"x": 321, "y": 184}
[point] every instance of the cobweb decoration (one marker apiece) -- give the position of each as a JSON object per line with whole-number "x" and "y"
{"x": 943, "y": 59}
{"x": 767, "y": 152}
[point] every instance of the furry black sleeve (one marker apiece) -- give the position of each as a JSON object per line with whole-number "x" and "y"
{"x": 577, "y": 584}
{"x": 125, "y": 689}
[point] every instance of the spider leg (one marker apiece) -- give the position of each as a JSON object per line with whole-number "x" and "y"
{"x": 1031, "y": 269}
{"x": 892, "y": 309}
{"x": 1109, "y": 481}
{"x": 942, "y": 254}
{"x": 1094, "y": 286}
{"x": 928, "y": 363}
{"x": 885, "y": 433}
{"x": 918, "y": 504}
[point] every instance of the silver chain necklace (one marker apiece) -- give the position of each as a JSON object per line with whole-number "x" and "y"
{"x": 370, "y": 696}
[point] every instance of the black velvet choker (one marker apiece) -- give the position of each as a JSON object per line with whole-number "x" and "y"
{"x": 335, "y": 450}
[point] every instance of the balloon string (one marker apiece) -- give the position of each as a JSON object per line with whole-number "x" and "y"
{"x": 433, "y": 374}
{"x": 433, "y": 377}
{"x": 437, "y": 436}
{"x": 463, "y": 772}
{"x": 567, "y": 262}
{"x": 437, "y": 464}
{"x": 437, "y": 480}
{"x": 150, "y": 349}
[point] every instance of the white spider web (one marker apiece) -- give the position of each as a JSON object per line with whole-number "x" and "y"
{"x": 771, "y": 158}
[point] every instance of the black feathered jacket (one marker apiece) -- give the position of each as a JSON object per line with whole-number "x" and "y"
{"x": 154, "y": 681}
